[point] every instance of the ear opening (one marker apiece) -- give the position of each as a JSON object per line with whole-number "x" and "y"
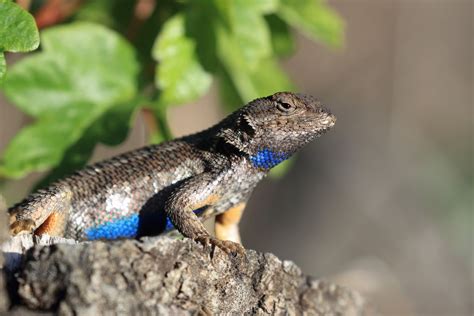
{"x": 239, "y": 134}
{"x": 246, "y": 126}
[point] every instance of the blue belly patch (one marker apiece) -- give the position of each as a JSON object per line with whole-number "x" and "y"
{"x": 126, "y": 227}
{"x": 265, "y": 158}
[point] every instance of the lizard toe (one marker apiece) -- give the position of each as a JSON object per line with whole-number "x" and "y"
{"x": 227, "y": 246}
{"x": 230, "y": 247}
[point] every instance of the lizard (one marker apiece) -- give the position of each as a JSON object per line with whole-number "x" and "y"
{"x": 179, "y": 183}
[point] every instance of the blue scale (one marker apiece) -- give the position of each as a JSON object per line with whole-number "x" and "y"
{"x": 124, "y": 227}
{"x": 266, "y": 158}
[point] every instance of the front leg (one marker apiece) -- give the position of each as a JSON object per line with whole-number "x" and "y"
{"x": 199, "y": 191}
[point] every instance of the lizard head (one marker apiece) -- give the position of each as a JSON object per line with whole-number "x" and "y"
{"x": 274, "y": 127}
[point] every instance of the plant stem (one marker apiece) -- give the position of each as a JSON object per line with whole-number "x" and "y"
{"x": 157, "y": 125}
{"x": 161, "y": 117}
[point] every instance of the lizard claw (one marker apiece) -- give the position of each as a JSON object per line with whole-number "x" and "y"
{"x": 227, "y": 246}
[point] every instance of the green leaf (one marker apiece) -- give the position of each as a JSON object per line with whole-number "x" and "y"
{"x": 80, "y": 63}
{"x": 251, "y": 31}
{"x": 267, "y": 79}
{"x": 250, "y": 82}
{"x": 224, "y": 12}
{"x": 18, "y": 32}
{"x": 113, "y": 126}
{"x": 235, "y": 64}
{"x": 74, "y": 158}
{"x": 270, "y": 78}
{"x": 113, "y": 14}
{"x": 111, "y": 129}
{"x": 83, "y": 71}
{"x": 179, "y": 75}
{"x": 246, "y": 54}
{"x": 228, "y": 92}
{"x": 261, "y": 6}
{"x": 282, "y": 40}
{"x": 203, "y": 33}
{"x": 42, "y": 144}
{"x": 314, "y": 18}
{"x": 243, "y": 20}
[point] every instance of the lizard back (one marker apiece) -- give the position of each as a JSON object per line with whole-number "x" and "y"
{"x": 103, "y": 200}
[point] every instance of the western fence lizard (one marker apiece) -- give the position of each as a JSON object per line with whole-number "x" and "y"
{"x": 178, "y": 183}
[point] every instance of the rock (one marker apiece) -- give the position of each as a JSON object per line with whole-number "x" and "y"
{"x": 168, "y": 276}
{"x": 14, "y": 248}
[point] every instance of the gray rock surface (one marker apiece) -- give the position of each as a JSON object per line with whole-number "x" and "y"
{"x": 172, "y": 276}
{"x": 14, "y": 248}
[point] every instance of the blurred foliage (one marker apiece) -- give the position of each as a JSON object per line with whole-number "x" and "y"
{"x": 102, "y": 61}
{"x": 18, "y": 32}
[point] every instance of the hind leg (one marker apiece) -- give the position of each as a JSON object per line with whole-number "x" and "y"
{"x": 53, "y": 225}
{"x": 41, "y": 213}
{"x": 227, "y": 224}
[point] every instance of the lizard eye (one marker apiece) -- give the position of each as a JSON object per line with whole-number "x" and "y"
{"x": 285, "y": 107}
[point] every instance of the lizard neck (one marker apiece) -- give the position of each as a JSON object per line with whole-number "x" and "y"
{"x": 267, "y": 158}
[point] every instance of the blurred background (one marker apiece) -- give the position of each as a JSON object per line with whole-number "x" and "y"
{"x": 383, "y": 203}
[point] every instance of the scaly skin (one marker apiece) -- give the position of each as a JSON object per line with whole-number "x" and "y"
{"x": 179, "y": 183}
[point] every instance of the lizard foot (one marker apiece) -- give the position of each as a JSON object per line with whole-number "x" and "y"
{"x": 22, "y": 226}
{"x": 227, "y": 246}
